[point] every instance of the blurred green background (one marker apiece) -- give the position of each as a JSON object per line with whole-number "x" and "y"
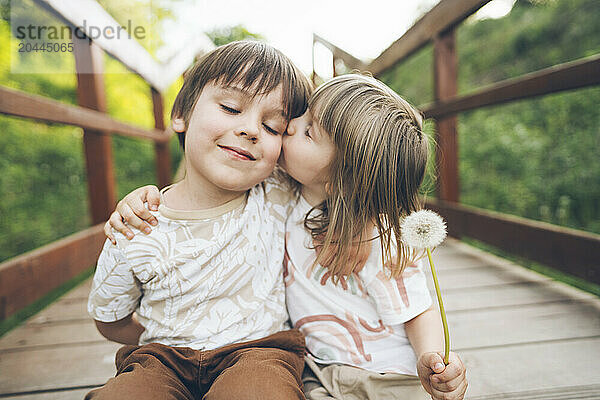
{"x": 535, "y": 158}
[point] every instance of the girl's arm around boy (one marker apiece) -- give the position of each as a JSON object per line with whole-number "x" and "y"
{"x": 442, "y": 382}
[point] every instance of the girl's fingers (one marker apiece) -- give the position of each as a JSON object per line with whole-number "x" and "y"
{"x": 452, "y": 379}
{"x": 453, "y": 369}
{"x": 132, "y": 219}
{"x": 116, "y": 222}
{"x": 108, "y": 233}
{"x": 457, "y": 394}
{"x": 153, "y": 199}
{"x": 140, "y": 210}
{"x": 449, "y": 386}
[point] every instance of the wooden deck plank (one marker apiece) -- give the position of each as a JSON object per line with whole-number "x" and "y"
{"x": 80, "y": 292}
{"x": 466, "y": 278}
{"x": 62, "y": 310}
{"x": 514, "y": 325}
{"x": 54, "y": 368}
{"x": 76, "y": 394}
{"x": 541, "y": 367}
{"x": 522, "y": 336}
{"x": 40, "y": 335}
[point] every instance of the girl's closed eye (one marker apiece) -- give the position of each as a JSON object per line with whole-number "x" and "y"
{"x": 307, "y": 131}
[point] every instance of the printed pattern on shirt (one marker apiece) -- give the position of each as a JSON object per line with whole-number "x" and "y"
{"x": 359, "y": 321}
{"x": 201, "y": 283}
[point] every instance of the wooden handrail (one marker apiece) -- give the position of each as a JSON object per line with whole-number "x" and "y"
{"x": 568, "y": 250}
{"x": 28, "y": 277}
{"x": 571, "y": 251}
{"x": 444, "y": 16}
{"x": 20, "y": 104}
{"x": 567, "y": 76}
{"x": 127, "y": 50}
{"x": 350, "y": 61}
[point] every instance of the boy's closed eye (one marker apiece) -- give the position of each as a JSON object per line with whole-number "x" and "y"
{"x": 235, "y": 111}
{"x": 230, "y": 110}
{"x": 271, "y": 130}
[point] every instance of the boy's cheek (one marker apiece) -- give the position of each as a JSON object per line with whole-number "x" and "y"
{"x": 274, "y": 151}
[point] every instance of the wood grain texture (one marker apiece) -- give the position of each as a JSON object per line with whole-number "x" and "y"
{"x": 444, "y": 16}
{"x": 30, "y": 276}
{"x": 568, "y": 250}
{"x": 20, "y": 104}
{"x": 521, "y": 336}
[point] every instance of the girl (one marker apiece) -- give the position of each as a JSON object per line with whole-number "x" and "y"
{"x": 359, "y": 157}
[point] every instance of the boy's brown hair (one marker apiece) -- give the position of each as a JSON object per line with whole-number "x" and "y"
{"x": 254, "y": 66}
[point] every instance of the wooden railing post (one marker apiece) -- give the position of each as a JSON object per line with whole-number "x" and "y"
{"x": 445, "y": 82}
{"x": 314, "y": 73}
{"x": 163, "y": 158}
{"x": 96, "y": 143}
{"x": 333, "y": 65}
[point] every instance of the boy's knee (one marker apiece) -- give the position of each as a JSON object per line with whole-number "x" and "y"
{"x": 141, "y": 386}
{"x": 261, "y": 374}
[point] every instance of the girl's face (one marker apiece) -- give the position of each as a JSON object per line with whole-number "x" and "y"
{"x": 307, "y": 152}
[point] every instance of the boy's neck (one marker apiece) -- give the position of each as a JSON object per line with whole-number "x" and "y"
{"x": 189, "y": 195}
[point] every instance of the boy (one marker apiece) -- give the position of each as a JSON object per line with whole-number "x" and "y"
{"x": 206, "y": 283}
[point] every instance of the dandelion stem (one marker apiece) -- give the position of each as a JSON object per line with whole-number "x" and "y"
{"x": 442, "y": 312}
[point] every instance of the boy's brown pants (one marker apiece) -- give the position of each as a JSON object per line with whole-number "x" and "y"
{"x": 264, "y": 369}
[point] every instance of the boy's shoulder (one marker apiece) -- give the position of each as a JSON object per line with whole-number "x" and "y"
{"x": 158, "y": 233}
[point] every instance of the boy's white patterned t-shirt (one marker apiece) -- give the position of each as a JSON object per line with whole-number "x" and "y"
{"x": 201, "y": 279}
{"x": 359, "y": 321}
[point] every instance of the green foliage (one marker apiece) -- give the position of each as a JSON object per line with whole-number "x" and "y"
{"x": 533, "y": 158}
{"x": 142, "y": 13}
{"x": 42, "y": 170}
{"x": 221, "y": 36}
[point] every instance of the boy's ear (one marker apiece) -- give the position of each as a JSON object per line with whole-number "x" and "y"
{"x": 178, "y": 125}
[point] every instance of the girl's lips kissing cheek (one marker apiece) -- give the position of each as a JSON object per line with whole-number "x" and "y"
{"x": 237, "y": 153}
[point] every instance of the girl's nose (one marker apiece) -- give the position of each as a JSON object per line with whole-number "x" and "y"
{"x": 291, "y": 129}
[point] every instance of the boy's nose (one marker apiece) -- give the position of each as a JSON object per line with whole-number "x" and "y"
{"x": 250, "y": 129}
{"x": 250, "y": 135}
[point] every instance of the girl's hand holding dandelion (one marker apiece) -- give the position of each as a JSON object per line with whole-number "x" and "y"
{"x": 425, "y": 230}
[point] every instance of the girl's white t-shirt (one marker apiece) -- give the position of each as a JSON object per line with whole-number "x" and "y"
{"x": 359, "y": 321}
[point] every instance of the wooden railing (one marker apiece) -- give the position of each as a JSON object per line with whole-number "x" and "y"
{"x": 28, "y": 277}
{"x": 571, "y": 251}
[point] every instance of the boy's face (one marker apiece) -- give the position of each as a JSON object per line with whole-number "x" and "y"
{"x": 307, "y": 151}
{"x": 233, "y": 139}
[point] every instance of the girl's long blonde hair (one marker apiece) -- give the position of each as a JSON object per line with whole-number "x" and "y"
{"x": 380, "y": 162}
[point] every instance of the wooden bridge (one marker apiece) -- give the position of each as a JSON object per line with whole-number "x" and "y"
{"x": 522, "y": 335}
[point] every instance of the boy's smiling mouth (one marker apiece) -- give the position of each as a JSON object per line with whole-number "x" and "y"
{"x": 238, "y": 152}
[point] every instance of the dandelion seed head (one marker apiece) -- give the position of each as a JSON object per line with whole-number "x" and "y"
{"x": 423, "y": 229}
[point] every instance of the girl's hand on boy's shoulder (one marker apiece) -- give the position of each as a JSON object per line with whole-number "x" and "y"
{"x": 131, "y": 210}
{"x": 447, "y": 382}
